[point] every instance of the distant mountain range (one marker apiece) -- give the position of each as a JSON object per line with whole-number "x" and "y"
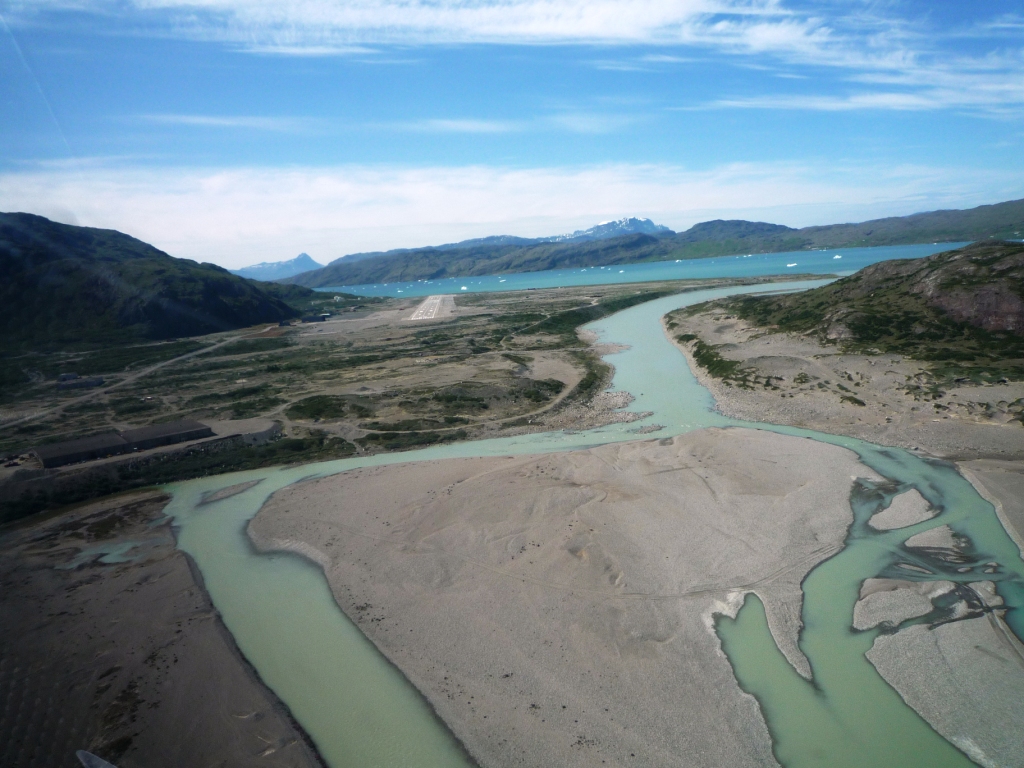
{"x": 637, "y": 240}
{"x": 603, "y": 231}
{"x": 609, "y": 229}
{"x": 65, "y": 286}
{"x": 276, "y": 270}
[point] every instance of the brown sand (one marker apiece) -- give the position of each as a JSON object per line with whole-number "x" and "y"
{"x": 129, "y": 661}
{"x": 963, "y": 672}
{"x": 557, "y": 609}
{"x": 1002, "y": 483}
{"x": 895, "y": 600}
{"x": 817, "y": 386}
{"x": 906, "y": 509}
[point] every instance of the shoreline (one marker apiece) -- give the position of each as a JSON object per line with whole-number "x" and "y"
{"x": 959, "y": 441}
{"x": 280, "y": 707}
{"x": 316, "y": 558}
{"x": 440, "y": 587}
{"x": 969, "y": 648}
{"x": 154, "y": 676}
{"x": 951, "y": 438}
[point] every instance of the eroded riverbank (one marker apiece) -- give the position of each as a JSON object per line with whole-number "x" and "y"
{"x": 264, "y": 614}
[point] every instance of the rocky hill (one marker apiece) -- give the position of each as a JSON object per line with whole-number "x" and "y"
{"x": 649, "y": 242}
{"x": 275, "y": 270}
{"x": 64, "y": 286}
{"x": 965, "y": 305}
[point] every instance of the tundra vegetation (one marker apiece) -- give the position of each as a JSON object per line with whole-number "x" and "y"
{"x": 946, "y": 332}
{"x": 366, "y": 380}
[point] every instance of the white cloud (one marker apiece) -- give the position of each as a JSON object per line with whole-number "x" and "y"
{"x": 897, "y": 101}
{"x": 244, "y": 216}
{"x": 333, "y": 26}
{"x": 467, "y": 125}
{"x": 310, "y": 50}
{"x": 868, "y": 40}
{"x": 573, "y": 122}
{"x": 985, "y": 95}
{"x": 591, "y": 122}
{"x": 282, "y": 124}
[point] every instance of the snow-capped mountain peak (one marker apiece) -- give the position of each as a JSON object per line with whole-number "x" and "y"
{"x": 629, "y": 225}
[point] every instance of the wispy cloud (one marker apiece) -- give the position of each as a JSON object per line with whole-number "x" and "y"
{"x": 666, "y": 58}
{"x": 310, "y": 50}
{"x": 619, "y": 65}
{"x": 997, "y": 91}
{"x": 240, "y": 216}
{"x": 570, "y": 121}
{"x": 460, "y": 126}
{"x": 327, "y": 22}
{"x": 282, "y": 124}
{"x": 591, "y": 122}
{"x": 861, "y": 41}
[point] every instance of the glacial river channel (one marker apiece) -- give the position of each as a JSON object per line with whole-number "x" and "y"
{"x": 361, "y": 712}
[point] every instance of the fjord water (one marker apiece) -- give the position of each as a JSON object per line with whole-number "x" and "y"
{"x": 749, "y": 265}
{"x": 360, "y": 711}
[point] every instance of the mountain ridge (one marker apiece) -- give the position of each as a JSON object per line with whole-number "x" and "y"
{"x": 66, "y": 285}
{"x": 602, "y": 231}
{"x": 486, "y": 256}
{"x": 266, "y": 271}
{"x": 962, "y": 308}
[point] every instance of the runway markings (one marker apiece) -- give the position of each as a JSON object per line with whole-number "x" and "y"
{"x": 430, "y": 308}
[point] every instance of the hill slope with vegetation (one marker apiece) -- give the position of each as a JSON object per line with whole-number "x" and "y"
{"x": 963, "y": 307}
{"x": 69, "y": 286}
{"x": 712, "y": 238}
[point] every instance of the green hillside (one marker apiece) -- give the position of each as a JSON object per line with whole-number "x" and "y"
{"x": 711, "y": 238}
{"x": 962, "y": 308}
{"x": 66, "y": 286}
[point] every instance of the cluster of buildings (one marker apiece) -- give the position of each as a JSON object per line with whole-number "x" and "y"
{"x": 116, "y": 443}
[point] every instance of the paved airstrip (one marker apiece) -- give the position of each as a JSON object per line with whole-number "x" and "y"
{"x": 435, "y": 307}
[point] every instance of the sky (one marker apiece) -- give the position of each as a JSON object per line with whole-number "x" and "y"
{"x": 242, "y": 131}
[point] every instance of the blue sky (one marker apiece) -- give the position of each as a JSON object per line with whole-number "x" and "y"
{"x": 238, "y": 131}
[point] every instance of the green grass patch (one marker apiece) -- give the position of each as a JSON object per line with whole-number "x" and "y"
{"x": 707, "y": 357}
{"x": 238, "y": 393}
{"x": 317, "y": 407}
{"x": 254, "y": 346}
{"x": 404, "y": 440}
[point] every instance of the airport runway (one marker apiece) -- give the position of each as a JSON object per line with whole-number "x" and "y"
{"x": 434, "y": 307}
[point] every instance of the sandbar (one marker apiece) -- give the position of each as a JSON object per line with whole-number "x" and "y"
{"x": 558, "y": 609}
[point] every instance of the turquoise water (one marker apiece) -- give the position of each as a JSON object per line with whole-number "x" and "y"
{"x": 750, "y": 265}
{"x": 361, "y": 712}
{"x": 847, "y": 716}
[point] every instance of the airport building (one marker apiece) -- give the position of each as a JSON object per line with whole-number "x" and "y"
{"x": 83, "y": 449}
{"x": 113, "y": 443}
{"x": 173, "y": 432}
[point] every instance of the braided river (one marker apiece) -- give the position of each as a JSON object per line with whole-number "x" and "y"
{"x": 360, "y": 711}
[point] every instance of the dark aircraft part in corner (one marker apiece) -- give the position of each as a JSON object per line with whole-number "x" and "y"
{"x": 89, "y": 760}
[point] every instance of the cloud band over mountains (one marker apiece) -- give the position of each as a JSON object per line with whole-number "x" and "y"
{"x": 238, "y": 217}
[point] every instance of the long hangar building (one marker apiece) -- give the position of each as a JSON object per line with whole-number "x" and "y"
{"x": 115, "y": 443}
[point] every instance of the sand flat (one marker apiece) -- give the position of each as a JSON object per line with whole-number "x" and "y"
{"x": 556, "y": 609}
{"x": 964, "y": 671}
{"x": 870, "y": 397}
{"x": 906, "y": 509}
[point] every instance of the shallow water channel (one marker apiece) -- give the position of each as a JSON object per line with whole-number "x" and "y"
{"x": 360, "y": 711}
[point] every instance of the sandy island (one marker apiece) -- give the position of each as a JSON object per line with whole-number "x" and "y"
{"x": 557, "y": 609}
